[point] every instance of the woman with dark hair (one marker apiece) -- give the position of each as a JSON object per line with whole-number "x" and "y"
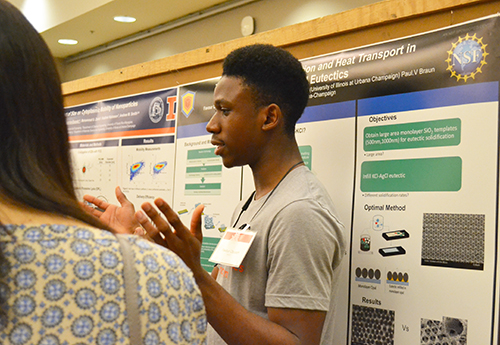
{"x": 62, "y": 278}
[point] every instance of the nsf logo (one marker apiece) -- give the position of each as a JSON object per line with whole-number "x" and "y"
{"x": 466, "y": 57}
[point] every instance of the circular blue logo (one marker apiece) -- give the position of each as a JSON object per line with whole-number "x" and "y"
{"x": 466, "y": 57}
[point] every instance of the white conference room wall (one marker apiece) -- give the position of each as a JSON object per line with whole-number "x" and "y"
{"x": 268, "y": 15}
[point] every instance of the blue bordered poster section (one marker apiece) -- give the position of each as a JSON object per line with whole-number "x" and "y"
{"x": 143, "y": 114}
{"x": 127, "y": 142}
{"x": 424, "y": 222}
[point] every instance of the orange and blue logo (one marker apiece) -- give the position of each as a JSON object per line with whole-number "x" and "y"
{"x": 466, "y": 57}
{"x": 187, "y": 103}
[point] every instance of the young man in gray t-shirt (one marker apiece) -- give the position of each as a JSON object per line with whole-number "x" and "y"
{"x": 283, "y": 291}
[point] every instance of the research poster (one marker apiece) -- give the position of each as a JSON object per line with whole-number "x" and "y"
{"x": 200, "y": 176}
{"x": 127, "y": 142}
{"x": 423, "y": 241}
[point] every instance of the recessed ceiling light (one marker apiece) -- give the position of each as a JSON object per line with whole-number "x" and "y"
{"x": 67, "y": 41}
{"x": 124, "y": 19}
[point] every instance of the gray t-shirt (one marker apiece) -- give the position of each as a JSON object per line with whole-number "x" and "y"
{"x": 294, "y": 259}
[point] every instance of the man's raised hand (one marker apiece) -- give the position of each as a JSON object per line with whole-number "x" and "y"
{"x": 120, "y": 218}
{"x": 172, "y": 233}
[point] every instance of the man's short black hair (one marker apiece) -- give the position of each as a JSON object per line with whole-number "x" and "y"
{"x": 274, "y": 76}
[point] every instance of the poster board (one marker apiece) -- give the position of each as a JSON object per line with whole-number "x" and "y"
{"x": 335, "y": 33}
{"x": 424, "y": 230}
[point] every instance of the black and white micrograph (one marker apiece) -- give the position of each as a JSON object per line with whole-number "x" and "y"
{"x": 448, "y": 331}
{"x": 372, "y": 326}
{"x": 453, "y": 240}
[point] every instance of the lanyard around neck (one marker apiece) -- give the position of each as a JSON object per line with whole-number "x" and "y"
{"x": 247, "y": 203}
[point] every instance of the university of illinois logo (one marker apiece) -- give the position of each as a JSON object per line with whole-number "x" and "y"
{"x": 187, "y": 103}
{"x": 466, "y": 57}
{"x": 156, "y": 110}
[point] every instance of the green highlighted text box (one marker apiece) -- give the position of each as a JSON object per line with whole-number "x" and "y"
{"x": 412, "y": 135}
{"x": 202, "y": 156}
{"x": 207, "y": 248}
{"x": 443, "y": 174}
{"x": 204, "y": 171}
{"x": 201, "y": 153}
{"x": 202, "y": 189}
{"x": 306, "y": 153}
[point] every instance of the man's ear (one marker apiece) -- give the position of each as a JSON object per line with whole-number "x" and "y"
{"x": 273, "y": 117}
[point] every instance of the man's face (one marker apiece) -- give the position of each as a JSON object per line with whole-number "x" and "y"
{"x": 234, "y": 126}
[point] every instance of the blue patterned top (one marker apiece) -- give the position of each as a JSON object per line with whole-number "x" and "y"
{"x": 65, "y": 285}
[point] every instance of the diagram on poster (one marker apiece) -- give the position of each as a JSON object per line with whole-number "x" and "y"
{"x": 203, "y": 172}
{"x": 94, "y": 166}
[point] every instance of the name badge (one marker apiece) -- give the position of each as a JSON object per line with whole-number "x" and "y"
{"x": 233, "y": 247}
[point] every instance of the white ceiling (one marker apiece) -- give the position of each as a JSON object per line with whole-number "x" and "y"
{"x": 91, "y": 23}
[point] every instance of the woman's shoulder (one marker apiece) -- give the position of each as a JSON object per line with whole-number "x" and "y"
{"x": 87, "y": 240}
{"x": 152, "y": 255}
{"x": 36, "y": 232}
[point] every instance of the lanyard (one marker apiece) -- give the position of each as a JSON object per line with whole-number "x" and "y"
{"x": 247, "y": 203}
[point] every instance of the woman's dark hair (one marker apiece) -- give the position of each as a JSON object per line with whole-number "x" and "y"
{"x": 274, "y": 75}
{"x": 35, "y": 167}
